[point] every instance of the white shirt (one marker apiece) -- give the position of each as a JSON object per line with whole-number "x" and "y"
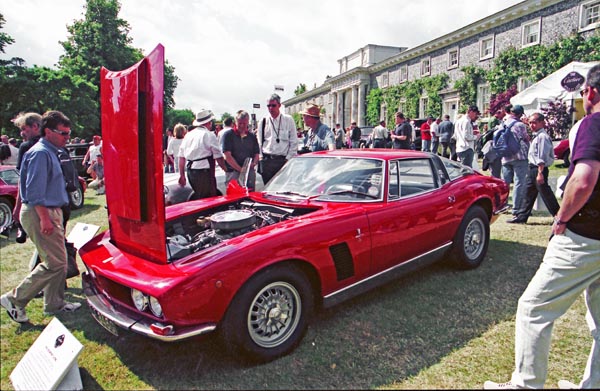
{"x": 173, "y": 147}
{"x": 14, "y": 156}
{"x": 282, "y": 128}
{"x": 197, "y": 144}
{"x": 94, "y": 152}
{"x": 434, "y": 130}
{"x": 463, "y": 131}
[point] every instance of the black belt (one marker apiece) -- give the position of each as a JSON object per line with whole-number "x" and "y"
{"x": 273, "y": 157}
{"x": 199, "y": 169}
{"x": 377, "y": 139}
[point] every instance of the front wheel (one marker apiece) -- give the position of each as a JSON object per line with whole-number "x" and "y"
{"x": 472, "y": 239}
{"x": 269, "y": 315}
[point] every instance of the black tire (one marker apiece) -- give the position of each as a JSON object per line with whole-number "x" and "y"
{"x": 269, "y": 315}
{"x": 76, "y": 197}
{"x": 566, "y": 160}
{"x": 472, "y": 239}
{"x": 6, "y": 214}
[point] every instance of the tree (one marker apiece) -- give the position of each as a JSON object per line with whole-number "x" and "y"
{"x": 301, "y": 89}
{"x": 173, "y": 117}
{"x": 101, "y": 40}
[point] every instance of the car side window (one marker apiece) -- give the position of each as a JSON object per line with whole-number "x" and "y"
{"x": 415, "y": 176}
{"x": 455, "y": 170}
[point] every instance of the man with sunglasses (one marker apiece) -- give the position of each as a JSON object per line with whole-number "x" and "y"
{"x": 571, "y": 264}
{"x": 43, "y": 194}
{"x": 277, "y": 139}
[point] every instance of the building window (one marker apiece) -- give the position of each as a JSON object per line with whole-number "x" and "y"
{"x": 426, "y": 66}
{"x": 402, "y": 106}
{"x": 486, "y": 48}
{"x": 385, "y": 80}
{"x": 589, "y": 15}
{"x": 403, "y": 73}
{"x": 453, "y": 58}
{"x": 531, "y": 32}
{"x": 483, "y": 98}
{"x": 524, "y": 83}
{"x": 423, "y": 106}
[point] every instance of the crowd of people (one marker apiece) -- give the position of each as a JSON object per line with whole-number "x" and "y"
{"x": 571, "y": 264}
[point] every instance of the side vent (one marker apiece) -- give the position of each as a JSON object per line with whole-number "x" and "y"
{"x": 342, "y": 259}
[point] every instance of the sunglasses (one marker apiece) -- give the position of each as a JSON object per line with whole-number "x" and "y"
{"x": 584, "y": 91}
{"x": 64, "y": 134}
{"x": 271, "y": 105}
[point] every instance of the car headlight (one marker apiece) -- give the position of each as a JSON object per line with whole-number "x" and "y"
{"x": 139, "y": 299}
{"x": 155, "y": 307}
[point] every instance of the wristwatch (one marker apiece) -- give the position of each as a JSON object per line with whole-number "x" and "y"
{"x": 558, "y": 221}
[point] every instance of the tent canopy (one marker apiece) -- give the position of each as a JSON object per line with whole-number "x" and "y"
{"x": 549, "y": 89}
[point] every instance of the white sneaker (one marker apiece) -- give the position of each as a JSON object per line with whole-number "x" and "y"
{"x": 16, "y": 313}
{"x": 67, "y": 307}
{"x": 567, "y": 385}
{"x": 490, "y": 385}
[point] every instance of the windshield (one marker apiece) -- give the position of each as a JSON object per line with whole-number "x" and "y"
{"x": 329, "y": 178}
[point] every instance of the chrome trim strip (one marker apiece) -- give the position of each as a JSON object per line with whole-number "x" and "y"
{"x": 141, "y": 326}
{"x": 391, "y": 269}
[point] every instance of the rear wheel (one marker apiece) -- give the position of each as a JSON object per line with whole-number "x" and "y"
{"x": 269, "y": 315}
{"x": 76, "y": 197}
{"x": 6, "y": 214}
{"x": 472, "y": 239}
{"x": 566, "y": 161}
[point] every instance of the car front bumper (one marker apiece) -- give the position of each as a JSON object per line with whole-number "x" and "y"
{"x": 111, "y": 317}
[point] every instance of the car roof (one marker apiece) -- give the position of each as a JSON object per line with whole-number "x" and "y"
{"x": 373, "y": 153}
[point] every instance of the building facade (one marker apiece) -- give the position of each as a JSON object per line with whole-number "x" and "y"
{"x": 531, "y": 22}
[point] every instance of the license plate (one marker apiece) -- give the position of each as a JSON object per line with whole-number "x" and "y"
{"x": 108, "y": 324}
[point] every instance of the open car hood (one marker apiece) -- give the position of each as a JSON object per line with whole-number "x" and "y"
{"x": 132, "y": 127}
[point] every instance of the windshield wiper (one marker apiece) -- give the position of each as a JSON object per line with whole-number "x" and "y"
{"x": 351, "y": 192}
{"x": 292, "y": 193}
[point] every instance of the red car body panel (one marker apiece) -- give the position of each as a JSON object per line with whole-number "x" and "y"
{"x": 132, "y": 111}
{"x": 195, "y": 290}
{"x": 561, "y": 148}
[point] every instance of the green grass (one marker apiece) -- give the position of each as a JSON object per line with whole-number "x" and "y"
{"x": 436, "y": 328}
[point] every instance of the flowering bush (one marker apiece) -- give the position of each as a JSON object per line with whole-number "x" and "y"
{"x": 499, "y": 101}
{"x": 559, "y": 118}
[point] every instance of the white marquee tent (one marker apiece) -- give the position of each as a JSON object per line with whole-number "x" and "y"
{"x": 549, "y": 89}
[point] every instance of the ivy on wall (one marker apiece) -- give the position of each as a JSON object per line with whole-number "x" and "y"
{"x": 408, "y": 94}
{"x": 536, "y": 62}
{"x": 467, "y": 86}
{"x": 533, "y": 63}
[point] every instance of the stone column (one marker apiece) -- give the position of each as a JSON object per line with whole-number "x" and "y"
{"x": 334, "y": 108}
{"x": 360, "y": 104}
{"x": 354, "y": 111}
{"x": 340, "y": 108}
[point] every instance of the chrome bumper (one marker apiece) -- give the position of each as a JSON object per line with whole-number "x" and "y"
{"x": 131, "y": 321}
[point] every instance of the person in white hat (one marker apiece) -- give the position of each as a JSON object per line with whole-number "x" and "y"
{"x": 197, "y": 155}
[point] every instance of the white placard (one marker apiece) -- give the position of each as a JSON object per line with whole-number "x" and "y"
{"x": 51, "y": 362}
{"x": 81, "y": 234}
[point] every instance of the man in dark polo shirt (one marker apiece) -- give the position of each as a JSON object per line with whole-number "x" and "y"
{"x": 239, "y": 144}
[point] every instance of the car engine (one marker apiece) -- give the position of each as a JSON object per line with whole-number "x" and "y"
{"x": 191, "y": 234}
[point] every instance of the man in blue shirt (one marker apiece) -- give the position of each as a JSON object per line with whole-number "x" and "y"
{"x": 319, "y": 137}
{"x": 43, "y": 193}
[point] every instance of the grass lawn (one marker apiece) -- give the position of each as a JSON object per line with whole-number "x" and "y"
{"x": 436, "y": 328}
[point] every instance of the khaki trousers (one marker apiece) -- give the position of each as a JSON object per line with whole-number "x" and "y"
{"x": 48, "y": 275}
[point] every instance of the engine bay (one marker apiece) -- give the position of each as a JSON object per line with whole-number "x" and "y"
{"x": 197, "y": 231}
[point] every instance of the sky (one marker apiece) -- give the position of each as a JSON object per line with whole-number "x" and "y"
{"x": 229, "y": 54}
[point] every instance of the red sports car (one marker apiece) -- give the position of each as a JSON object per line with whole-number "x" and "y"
{"x": 562, "y": 151}
{"x": 9, "y": 179}
{"x": 327, "y": 227}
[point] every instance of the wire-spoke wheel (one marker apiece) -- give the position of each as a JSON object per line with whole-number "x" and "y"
{"x": 269, "y": 315}
{"x": 472, "y": 239}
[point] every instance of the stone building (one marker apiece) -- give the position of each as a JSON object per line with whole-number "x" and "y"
{"x": 531, "y": 22}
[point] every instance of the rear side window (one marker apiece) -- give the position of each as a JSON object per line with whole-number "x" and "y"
{"x": 409, "y": 177}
